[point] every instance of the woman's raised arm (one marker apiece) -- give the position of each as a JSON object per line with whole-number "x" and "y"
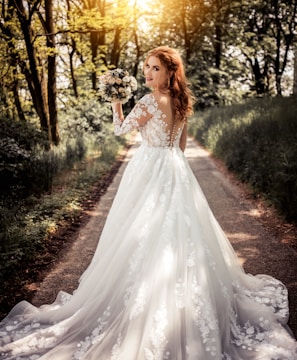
{"x": 138, "y": 116}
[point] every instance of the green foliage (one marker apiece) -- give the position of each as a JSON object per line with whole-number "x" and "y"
{"x": 28, "y": 167}
{"x": 84, "y": 116}
{"x": 18, "y": 141}
{"x": 231, "y": 48}
{"x": 73, "y": 167}
{"x": 257, "y": 140}
{"x": 263, "y": 32}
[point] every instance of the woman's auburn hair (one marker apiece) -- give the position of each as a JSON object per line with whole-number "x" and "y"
{"x": 180, "y": 92}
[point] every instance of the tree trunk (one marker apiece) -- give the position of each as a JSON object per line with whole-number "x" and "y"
{"x": 115, "y": 52}
{"x": 259, "y": 77}
{"x": 97, "y": 40}
{"x": 295, "y": 71}
{"x": 94, "y": 49}
{"x": 73, "y": 77}
{"x": 218, "y": 55}
{"x": 15, "y": 89}
{"x": 71, "y": 56}
{"x": 285, "y": 23}
{"x": 278, "y": 74}
{"x": 51, "y": 78}
{"x": 32, "y": 75}
{"x": 186, "y": 38}
{"x": 218, "y": 45}
{"x": 13, "y": 61}
{"x": 278, "y": 84}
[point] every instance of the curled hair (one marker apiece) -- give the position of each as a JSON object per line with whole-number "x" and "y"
{"x": 177, "y": 82}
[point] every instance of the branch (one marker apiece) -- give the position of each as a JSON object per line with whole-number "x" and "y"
{"x": 43, "y": 23}
{"x": 34, "y": 9}
{"x": 70, "y": 32}
{"x": 21, "y": 10}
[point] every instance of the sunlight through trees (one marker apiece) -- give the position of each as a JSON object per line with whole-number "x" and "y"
{"x": 233, "y": 49}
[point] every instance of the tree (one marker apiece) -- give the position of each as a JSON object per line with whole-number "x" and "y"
{"x": 29, "y": 27}
{"x": 217, "y": 39}
{"x": 51, "y": 78}
{"x": 264, "y": 32}
{"x": 295, "y": 70}
{"x": 283, "y": 29}
{"x": 33, "y": 75}
{"x": 99, "y": 31}
{"x": 97, "y": 9}
{"x": 251, "y": 26}
{"x": 9, "y": 74}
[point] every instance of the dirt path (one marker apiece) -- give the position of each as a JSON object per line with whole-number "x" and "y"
{"x": 242, "y": 219}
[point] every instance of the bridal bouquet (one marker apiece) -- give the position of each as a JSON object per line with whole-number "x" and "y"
{"x": 116, "y": 86}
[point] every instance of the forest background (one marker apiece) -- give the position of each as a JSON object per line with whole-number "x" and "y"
{"x": 56, "y": 137}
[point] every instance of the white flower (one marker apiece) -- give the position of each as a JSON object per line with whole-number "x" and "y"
{"x": 250, "y": 330}
{"x": 126, "y": 79}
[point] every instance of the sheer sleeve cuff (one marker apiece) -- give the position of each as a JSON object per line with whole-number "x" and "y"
{"x": 123, "y": 127}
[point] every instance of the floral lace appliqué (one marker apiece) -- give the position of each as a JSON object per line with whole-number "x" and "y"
{"x": 139, "y": 302}
{"x": 44, "y": 339}
{"x": 151, "y": 122}
{"x": 123, "y": 127}
{"x": 273, "y": 295}
{"x": 204, "y": 318}
{"x": 158, "y": 338}
{"x": 247, "y": 335}
{"x": 95, "y": 337}
{"x": 115, "y": 352}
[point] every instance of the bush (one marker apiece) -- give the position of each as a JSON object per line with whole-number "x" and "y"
{"x": 44, "y": 188}
{"x": 258, "y": 141}
{"x": 27, "y": 165}
{"x": 18, "y": 141}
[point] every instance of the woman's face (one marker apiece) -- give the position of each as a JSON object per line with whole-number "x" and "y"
{"x": 155, "y": 73}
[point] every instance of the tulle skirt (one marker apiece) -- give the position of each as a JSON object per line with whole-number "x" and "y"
{"x": 164, "y": 284}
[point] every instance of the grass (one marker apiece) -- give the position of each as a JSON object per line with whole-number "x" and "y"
{"x": 258, "y": 141}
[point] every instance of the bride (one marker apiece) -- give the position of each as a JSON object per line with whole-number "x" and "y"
{"x": 164, "y": 283}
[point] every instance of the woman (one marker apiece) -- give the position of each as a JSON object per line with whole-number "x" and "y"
{"x": 164, "y": 282}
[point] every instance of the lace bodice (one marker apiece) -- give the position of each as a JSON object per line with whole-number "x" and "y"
{"x": 151, "y": 122}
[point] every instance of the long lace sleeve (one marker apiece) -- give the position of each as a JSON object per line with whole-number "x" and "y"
{"x": 136, "y": 118}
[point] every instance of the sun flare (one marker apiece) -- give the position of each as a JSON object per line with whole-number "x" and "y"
{"x": 143, "y": 8}
{"x": 140, "y": 4}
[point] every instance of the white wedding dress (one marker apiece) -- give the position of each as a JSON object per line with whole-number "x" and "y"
{"x": 164, "y": 283}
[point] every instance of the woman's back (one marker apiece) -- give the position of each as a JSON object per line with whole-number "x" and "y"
{"x": 161, "y": 130}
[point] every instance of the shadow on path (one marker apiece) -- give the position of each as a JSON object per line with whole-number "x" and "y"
{"x": 259, "y": 251}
